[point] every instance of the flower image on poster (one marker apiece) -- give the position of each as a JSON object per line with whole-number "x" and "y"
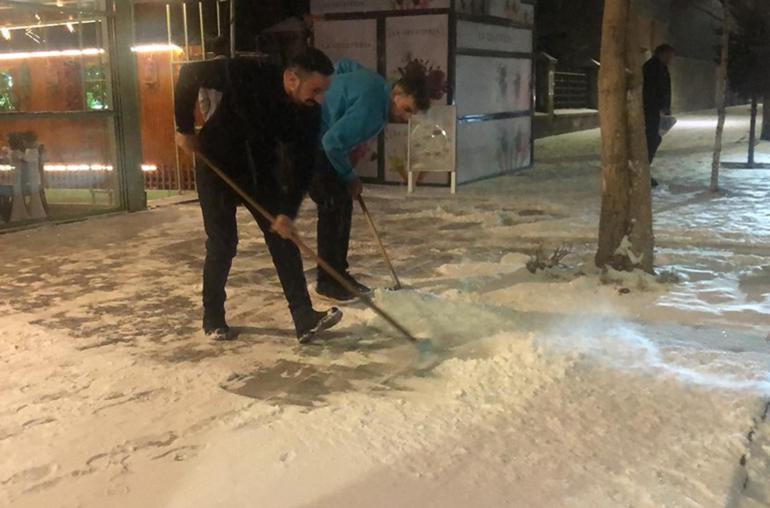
{"x": 418, "y": 45}
{"x": 414, "y": 46}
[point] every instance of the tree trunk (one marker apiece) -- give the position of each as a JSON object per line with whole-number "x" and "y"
{"x": 612, "y": 119}
{"x": 640, "y": 194}
{"x": 753, "y": 129}
{"x": 625, "y": 225}
{"x": 766, "y": 117}
{"x": 721, "y": 98}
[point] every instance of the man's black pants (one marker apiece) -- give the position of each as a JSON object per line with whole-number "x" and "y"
{"x": 218, "y": 204}
{"x": 652, "y": 130}
{"x": 335, "y": 215}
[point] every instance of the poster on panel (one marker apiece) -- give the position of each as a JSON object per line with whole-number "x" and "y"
{"x": 488, "y": 85}
{"x": 346, "y": 39}
{"x": 414, "y": 46}
{"x": 515, "y": 10}
{"x": 419, "y": 45}
{"x": 356, "y": 40}
{"x": 494, "y": 147}
{"x": 482, "y": 36}
{"x": 340, "y": 6}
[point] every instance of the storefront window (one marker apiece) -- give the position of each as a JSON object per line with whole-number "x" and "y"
{"x": 6, "y": 92}
{"x": 57, "y": 127}
{"x": 96, "y": 87}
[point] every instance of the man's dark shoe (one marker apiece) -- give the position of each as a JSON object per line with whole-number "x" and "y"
{"x": 220, "y": 333}
{"x": 314, "y": 322}
{"x": 334, "y": 292}
{"x": 365, "y": 290}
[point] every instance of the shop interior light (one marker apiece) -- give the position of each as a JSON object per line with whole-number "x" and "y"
{"x": 142, "y": 48}
{"x": 71, "y": 28}
{"x": 6, "y": 33}
{"x": 156, "y": 48}
{"x": 77, "y": 167}
{"x": 80, "y": 167}
{"x": 22, "y": 55}
{"x": 52, "y": 24}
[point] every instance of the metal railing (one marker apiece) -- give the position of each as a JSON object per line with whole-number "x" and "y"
{"x": 560, "y": 88}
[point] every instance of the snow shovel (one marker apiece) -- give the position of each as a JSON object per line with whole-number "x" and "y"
{"x": 379, "y": 242}
{"x": 423, "y": 345}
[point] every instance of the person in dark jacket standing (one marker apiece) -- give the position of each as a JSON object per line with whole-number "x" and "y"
{"x": 263, "y": 135}
{"x": 657, "y": 95}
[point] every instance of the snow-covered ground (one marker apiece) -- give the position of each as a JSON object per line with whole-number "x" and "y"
{"x": 565, "y": 388}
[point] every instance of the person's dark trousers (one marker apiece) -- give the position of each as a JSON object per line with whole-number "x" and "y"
{"x": 335, "y": 215}
{"x": 218, "y": 204}
{"x": 652, "y": 130}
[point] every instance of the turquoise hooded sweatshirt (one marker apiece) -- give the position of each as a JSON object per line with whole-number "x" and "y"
{"x": 355, "y": 109}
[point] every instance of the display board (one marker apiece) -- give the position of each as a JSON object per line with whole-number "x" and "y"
{"x": 518, "y": 11}
{"x": 492, "y": 147}
{"x": 431, "y": 143}
{"x": 343, "y": 39}
{"x": 346, "y": 6}
{"x": 487, "y": 85}
{"x": 418, "y": 45}
{"x": 358, "y": 41}
{"x": 414, "y": 45}
{"x": 487, "y": 71}
{"x": 481, "y": 36}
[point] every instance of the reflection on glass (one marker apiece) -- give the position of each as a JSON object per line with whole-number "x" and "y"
{"x": 56, "y": 168}
{"x": 52, "y": 60}
{"x": 56, "y": 130}
{"x": 84, "y": 5}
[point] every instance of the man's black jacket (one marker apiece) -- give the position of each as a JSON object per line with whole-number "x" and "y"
{"x": 257, "y": 135}
{"x": 657, "y": 87}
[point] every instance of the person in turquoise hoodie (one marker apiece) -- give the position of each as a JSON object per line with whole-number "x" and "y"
{"x": 356, "y": 108}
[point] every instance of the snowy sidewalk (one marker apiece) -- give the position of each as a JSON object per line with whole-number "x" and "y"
{"x": 555, "y": 389}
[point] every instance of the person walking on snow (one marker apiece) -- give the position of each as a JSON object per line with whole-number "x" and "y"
{"x": 264, "y": 135}
{"x": 356, "y": 109}
{"x": 657, "y": 96}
